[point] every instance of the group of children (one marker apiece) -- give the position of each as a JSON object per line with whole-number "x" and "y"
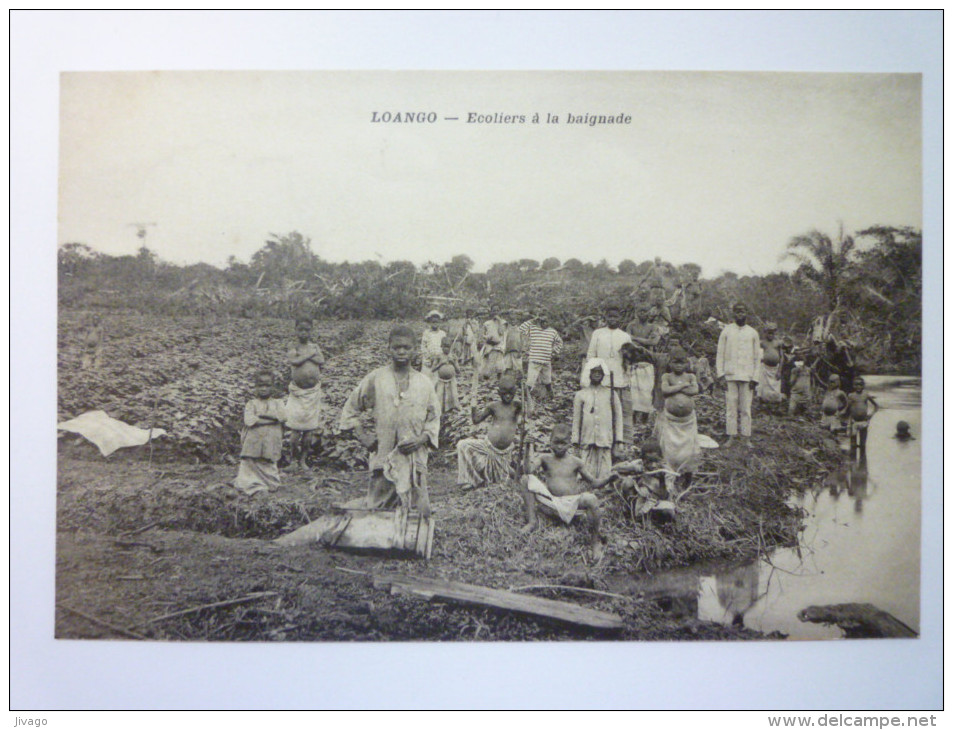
{"x": 623, "y": 378}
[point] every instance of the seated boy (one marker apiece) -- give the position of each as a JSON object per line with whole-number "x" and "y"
{"x": 488, "y": 460}
{"x": 652, "y": 483}
{"x": 561, "y": 494}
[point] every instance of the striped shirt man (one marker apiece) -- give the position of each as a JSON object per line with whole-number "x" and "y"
{"x": 542, "y": 343}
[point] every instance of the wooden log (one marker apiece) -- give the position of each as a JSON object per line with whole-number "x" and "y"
{"x": 858, "y": 620}
{"x": 561, "y": 611}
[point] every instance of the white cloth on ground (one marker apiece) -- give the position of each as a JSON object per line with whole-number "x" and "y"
{"x": 108, "y": 433}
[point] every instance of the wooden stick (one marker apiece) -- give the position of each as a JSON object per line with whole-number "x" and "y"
{"x": 571, "y": 588}
{"x": 217, "y": 604}
{"x": 130, "y": 533}
{"x": 152, "y": 420}
{"x": 351, "y": 570}
{"x": 100, "y": 622}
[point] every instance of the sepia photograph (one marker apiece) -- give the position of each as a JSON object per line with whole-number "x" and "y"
{"x": 488, "y": 356}
{"x": 404, "y": 360}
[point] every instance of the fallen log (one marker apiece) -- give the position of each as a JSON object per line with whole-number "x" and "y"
{"x": 466, "y": 593}
{"x": 858, "y": 620}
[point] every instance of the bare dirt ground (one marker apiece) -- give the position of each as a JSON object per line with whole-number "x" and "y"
{"x": 205, "y": 543}
{"x": 144, "y": 533}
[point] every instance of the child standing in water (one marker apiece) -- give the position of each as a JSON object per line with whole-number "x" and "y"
{"x": 303, "y": 407}
{"x": 596, "y": 420}
{"x": 834, "y": 405}
{"x": 800, "y": 395}
{"x": 261, "y": 439}
{"x": 561, "y": 494}
{"x": 488, "y": 460}
{"x": 445, "y": 368}
{"x": 859, "y": 417}
{"x": 677, "y": 425}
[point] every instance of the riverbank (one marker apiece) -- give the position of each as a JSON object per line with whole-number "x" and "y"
{"x": 136, "y": 542}
{"x": 144, "y": 534}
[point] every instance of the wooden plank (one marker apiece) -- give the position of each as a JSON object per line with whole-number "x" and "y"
{"x": 563, "y": 611}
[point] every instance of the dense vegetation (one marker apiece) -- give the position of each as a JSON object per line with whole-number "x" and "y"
{"x": 870, "y": 282}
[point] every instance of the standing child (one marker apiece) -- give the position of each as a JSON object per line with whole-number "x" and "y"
{"x": 542, "y": 343}
{"x": 641, "y": 373}
{"x": 561, "y": 494}
{"x": 859, "y": 417}
{"x": 491, "y": 355}
{"x": 406, "y": 426}
{"x": 606, "y": 343}
{"x": 677, "y": 425}
{"x": 261, "y": 439}
{"x": 471, "y": 339}
{"x": 91, "y": 338}
{"x": 772, "y": 356}
{"x": 512, "y": 344}
{"x": 737, "y": 364}
{"x": 488, "y": 460}
{"x": 800, "y": 395}
{"x": 445, "y": 368}
{"x": 596, "y": 420}
{"x": 304, "y": 392}
{"x": 834, "y": 405}
{"x": 431, "y": 343}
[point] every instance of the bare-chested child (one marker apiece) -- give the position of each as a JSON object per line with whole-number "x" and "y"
{"x": 304, "y": 392}
{"x": 677, "y": 422}
{"x": 772, "y": 363}
{"x": 859, "y": 416}
{"x": 834, "y": 405}
{"x": 445, "y": 369}
{"x": 561, "y": 494}
{"x": 488, "y": 460}
{"x": 92, "y": 337}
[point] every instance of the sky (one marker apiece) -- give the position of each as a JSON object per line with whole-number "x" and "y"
{"x": 720, "y": 169}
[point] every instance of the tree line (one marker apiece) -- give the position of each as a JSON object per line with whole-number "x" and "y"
{"x": 869, "y": 282}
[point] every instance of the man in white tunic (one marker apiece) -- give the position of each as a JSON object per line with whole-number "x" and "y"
{"x": 406, "y": 424}
{"x": 737, "y": 365}
{"x": 606, "y": 344}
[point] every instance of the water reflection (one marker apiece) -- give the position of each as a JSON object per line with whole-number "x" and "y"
{"x": 852, "y": 479}
{"x": 860, "y": 541}
{"x": 737, "y": 592}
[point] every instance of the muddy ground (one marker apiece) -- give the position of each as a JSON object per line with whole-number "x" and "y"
{"x": 156, "y": 530}
{"x": 135, "y": 543}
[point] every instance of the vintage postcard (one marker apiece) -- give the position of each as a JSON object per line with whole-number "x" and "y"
{"x": 488, "y": 356}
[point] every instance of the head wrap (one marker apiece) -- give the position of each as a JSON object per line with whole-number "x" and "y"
{"x": 595, "y": 362}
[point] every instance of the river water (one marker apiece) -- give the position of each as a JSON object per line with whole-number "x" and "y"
{"x": 860, "y": 543}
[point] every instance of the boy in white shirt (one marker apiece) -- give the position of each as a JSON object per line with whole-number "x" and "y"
{"x": 737, "y": 366}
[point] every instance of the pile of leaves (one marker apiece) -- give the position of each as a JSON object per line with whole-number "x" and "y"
{"x": 192, "y": 379}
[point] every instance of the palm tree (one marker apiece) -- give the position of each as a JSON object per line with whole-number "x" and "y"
{"x": 827, "y": 263}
